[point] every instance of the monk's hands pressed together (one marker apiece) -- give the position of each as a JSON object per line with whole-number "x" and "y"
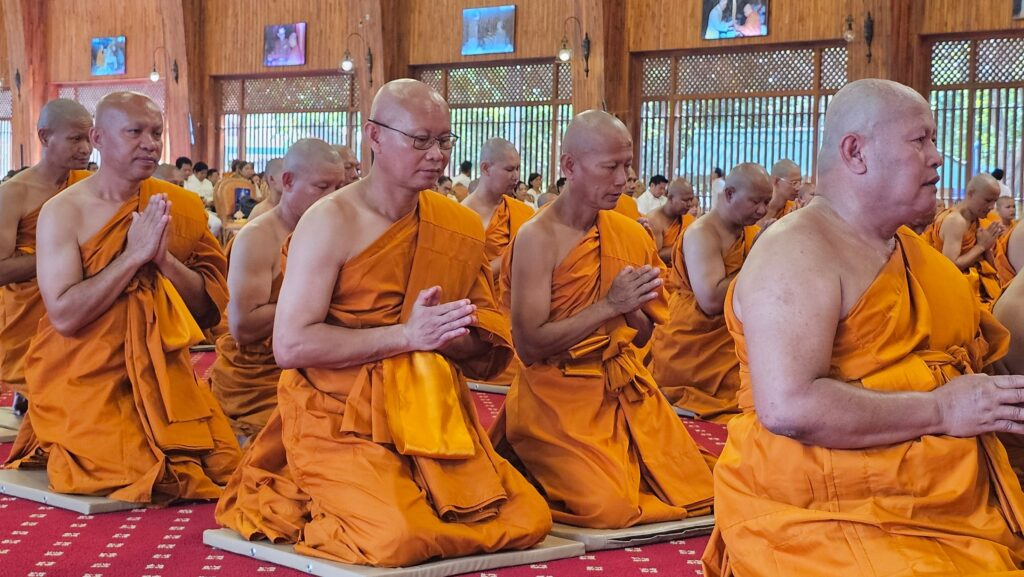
{"x": 987, "y": 236}
{"x": 632, "y": 288}
{"x": 434, "y": 324}
{"x": 976, "y": 404}
{"x": 148, "y": 231}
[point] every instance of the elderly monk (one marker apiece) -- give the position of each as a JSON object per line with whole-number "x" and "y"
{"x": 670, "y": 220}
{"x": 63, "y": 131}
{"x": 375, "y": 454}
{"x": 129, "y": 274}
{"x": 272, "y": 174}
{"x": 785, "y": 190}
{"x": 245, "y": 374}
{"x": 584, "y": 416}
{"x": 866, "y": 443}
{"x": 957, "y": 234}
{"x": 694, "y": 357}
{"x": 626, "y": 204}
{"x": 349, "y": 163}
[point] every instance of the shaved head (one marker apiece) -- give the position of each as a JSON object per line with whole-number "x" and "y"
{"x": 744, "y": 200}
{"x": 349, "y": 163}
{"x": 496, "y": 150}
{"x": 679, "y": 195}
{"x": 57, "y": 114}
{"x": 593, "y": 130}
{"x": 168, "y": 172}
{"x": 309, "y": 153}
{"x": 983, "y": 183}
{"x": 129, "y": 134}
{"x": 274, "y": 167}
{"x": 1006, "y": 208}
{"x": 400, "y": 99}
{"x": 499, "y": 168}
{"x": 120, "y": 103}
{"x": 786, "y": 169}
{"x": 597, "y": 154}
{"x": 63, "y": 131}
{"x": 312, "y": 169}
{"x": 545, "y": 198}
{"x": 748, "y": 176}
{"x": 272, "y": 172}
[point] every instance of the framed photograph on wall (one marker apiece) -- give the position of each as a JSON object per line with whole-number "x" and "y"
{"x": 1018, "y": 9}
{"x": 734, "y": 18}
{"x": 490, "y": 30}
{"x": 107, "y": 56}
{"x": 284, "y": 44}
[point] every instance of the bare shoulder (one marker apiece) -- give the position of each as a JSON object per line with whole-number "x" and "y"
{"x": 532, "y": 238}
{"x": 68, "y": 204}
{"x": 955, "y": 223}
{"x": 799, "y": 248}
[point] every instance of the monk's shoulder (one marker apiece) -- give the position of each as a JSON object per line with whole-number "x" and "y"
{"x": 622, "y": 223}
{"x": 805, "y": 237}
{"x": 261, "y": 236}
{"x": 183, "y": 202}
{"x": 453, "y": 215}
{"x": 518, "y": 206}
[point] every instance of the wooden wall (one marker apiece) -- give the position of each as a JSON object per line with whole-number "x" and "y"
{"x": 946, "y": 16}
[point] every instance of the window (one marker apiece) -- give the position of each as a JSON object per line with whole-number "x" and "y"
{"x": 89, "y": 95}
{"x": 261, "y": 117}
{"x": 703, "y": 110}
{"x": 6, "y": 141}
{"x": 527, "y": 104}
{"x": 977, "y": 95}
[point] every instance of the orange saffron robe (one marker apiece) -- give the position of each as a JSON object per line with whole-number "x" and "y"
{"x": 589, "y": 424}
{"x": 244, "y": 378}
{"x": 21, "y": 305}
{"x": 935, "y": 505}
{"x": 672, "y": 237}
{"x": 1005, "y": 270}
{"x": 386, "y": 463}
{"x": 627, "y": 206}
{"x": 694, "y": 357}
{"x": 787, "y": 208}
{"x": 508, "y": 217}
{"x": 117, "y": 409}
{"x": 982, "y": 274}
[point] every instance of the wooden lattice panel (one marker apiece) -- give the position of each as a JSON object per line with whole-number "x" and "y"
{"x": 501, "y": 84}
{"x": 746, "y": 72}
{"x": 6, "y": 103}
{"x": 951, "y": 62}
{"x": 301, "y": 94}
{"x": 834, "y": 68}
{"x": 432, "y": 77}
{"x": 88, "y": 95}
{"x": 564, "y": 81}
{"x": 657, "y": 77}
{"x": 1001, "y": 60}
{"x": 230, "y": 96}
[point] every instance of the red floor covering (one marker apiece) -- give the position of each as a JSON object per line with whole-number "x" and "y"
{"x": 40, "y": 541}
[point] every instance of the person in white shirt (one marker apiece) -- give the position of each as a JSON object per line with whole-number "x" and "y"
{"x": 1004, "y": 190}
{"x": 199, "y": 184}
{"x": 463, "y": 177}
{"x": 717, "y": 185}
{"x": 654, "y": 197}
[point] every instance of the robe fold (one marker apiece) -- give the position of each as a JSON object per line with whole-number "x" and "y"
{"x": 589, "y": 424}
{"x": 1005, "y": 270}
{"x": 385, "y": 463}
{"x": 982, "y": 274}
{"x": 508, "y": 217}
{"x": 244, "y": 378}
{"x": 693, "y": 356}
{"x": 117, "y": 409}
{"x": 935, "y": 505}
{"x": 21, "y": 305}
{"x": 627, "y": 206}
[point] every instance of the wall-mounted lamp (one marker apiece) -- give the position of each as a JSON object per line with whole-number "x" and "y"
{"x": 848, "y": 33}
{"x": 17, "y": 81}
{"x": 348, "y": 65}
{"x": 154, "y": 76}
{"x": 565, "y": 53}
{"x": 869, "y": 33}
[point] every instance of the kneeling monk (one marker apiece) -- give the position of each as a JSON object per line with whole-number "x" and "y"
{"x": 866, "y": 446}
{"x": 694, "y": 357}
{"x": 375, "y": 454}
{"x": 129, "y": 274}
{"x": 245, "y": 374}
{"x": 584, "y": 416}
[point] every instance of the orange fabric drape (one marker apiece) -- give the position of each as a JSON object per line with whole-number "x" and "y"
{"x": 935, "y": 505}
{"x": 385, "y": 463}
{"x": 627, "y": 206}
{"x": 982, "y": 274}
{"x": 117, "y": 409}
{"x": 1005, "y": 270}
{"x": 589, "y": 424}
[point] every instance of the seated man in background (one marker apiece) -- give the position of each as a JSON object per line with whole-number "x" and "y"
{"x": 670, "y": 220}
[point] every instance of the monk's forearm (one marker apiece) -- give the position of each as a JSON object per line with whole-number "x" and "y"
{"x": 967, "y": 259}
{"x": 190, "y": 285}
{"x": 253, "y": 326}
{"x": 85, "y": 301}
{"x": 468, "y": 346}
{"x": 642, "y": 323}
{"x": 554, "y": 337}
{"x": 836, "y": 415}
{"x": 332, "y": 347}
{"x": 17, "y": 268}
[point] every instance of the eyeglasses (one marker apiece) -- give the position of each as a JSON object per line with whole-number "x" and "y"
{"x": 444, "y": 142}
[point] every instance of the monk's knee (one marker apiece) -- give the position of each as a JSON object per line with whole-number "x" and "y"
{"x": 407, "y": 541}
{"x": 607, "y": 510}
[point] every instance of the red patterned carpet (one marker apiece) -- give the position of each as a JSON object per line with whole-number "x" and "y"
{"x": 40, "y": 541}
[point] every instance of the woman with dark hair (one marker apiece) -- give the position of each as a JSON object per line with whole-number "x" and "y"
{"x": 535, "y": 183}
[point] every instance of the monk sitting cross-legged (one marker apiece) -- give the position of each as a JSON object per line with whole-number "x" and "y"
{"x": 584, "y": 416}
{"x": 245, "y": 374}
{"x": 866, "y": 445}
{"x": 129, "y": 274}
{"x": 694, "y": 357}
{"x": 63, "y": 131}
{"x": 375, "y": 455}
{"x": 670, "y": 220}
{"x": 957, "y": 234}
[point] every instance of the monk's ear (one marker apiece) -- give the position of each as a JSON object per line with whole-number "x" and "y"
{"x": 728, "y": 192}
{"x": 44, "y": 136}
{"x": 852, "y": 152}
{"x": 567, "y": 164}
{"x": 287, "y": 180}
{"x": 371, "y": 132}
{"x": 95, "y": 137}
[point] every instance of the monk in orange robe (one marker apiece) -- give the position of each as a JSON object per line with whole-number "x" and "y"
{"x": 375, "y": 455}
{"x": 956, "y": 233}
{"x": 866, "y": 445}
{"x": 584, "y": 417}
{"x": 1004, "y": 212}
{"x": 272, "y": 175}
{"x": 693, "y": 356}
{"x": 670, "y": 220}
{"x": 786, "y": 180}
{"x": 245, "y": 374}
{"x": 129, "y": 274}
{"x": 626, "y": 205}
{"x": 63, "y": 131}
{"x": 1008, "y": 255}
{"x": 501, "y": 214}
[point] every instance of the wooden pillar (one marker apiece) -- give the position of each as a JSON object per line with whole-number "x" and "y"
{"x": 588, "y": 88}
{"x": 894, "y": 45}
{"x": 28, "y": 75}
